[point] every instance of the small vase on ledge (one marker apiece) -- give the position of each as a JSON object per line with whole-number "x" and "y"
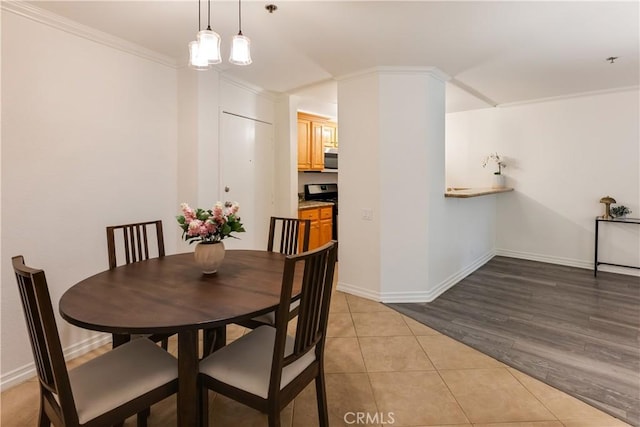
{"x": 209, "y": 256}
{"x": 498, "y": 181}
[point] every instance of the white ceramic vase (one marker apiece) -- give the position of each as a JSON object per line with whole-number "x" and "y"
{"x": 209, "y": 256}
{"x": 498, "y": 181}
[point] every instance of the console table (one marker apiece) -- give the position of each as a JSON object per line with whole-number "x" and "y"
{"x": 617, "y": 221}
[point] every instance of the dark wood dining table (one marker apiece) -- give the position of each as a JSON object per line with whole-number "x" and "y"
{"x": 171, "y": 295}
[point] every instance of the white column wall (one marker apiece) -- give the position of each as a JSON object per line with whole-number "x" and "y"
{"x": 88, "y": 140}
{"x": 198, "y": 135}
{"x": 409, "y": 141}
{"x": 286, "y": 156}
{"x": 359, "y": 185}
{"x": 392, "y": 153}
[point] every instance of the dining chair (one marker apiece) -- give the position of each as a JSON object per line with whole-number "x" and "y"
{"x": 267, "y": 368}
{"x": 134, "y": 242}
{"x": 293, "y": 237}
{"x": 104, "y": 391}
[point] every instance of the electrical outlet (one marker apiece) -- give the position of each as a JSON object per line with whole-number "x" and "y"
{"x": 367, "y": 214}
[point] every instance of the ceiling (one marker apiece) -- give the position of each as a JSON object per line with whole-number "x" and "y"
{"x": 495, "y": 52}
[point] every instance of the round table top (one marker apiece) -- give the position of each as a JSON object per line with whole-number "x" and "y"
{"x": 169, "y": 294}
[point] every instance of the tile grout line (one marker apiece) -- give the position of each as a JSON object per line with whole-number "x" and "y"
{"x": 366, "y": 370}
{"x": 532, "y": 393}
{"x": 438, "y": 373}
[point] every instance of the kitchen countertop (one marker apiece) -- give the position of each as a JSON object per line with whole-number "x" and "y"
{"x": 474, "y": 192}
{"x": 309, "y": 204}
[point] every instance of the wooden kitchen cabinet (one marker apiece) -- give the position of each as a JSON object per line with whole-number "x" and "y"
{"x": 321, "y": 225}
{"x": 326, "y": 225}
{"x": 330, "y": 135}
{"x": 313, "y": 133}
{"x": 304, "y": 146}
{"x": 317, "y": 151}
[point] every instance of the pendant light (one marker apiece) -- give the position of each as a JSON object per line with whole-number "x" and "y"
{"x": 240, "y": 45}
{"x": 197, "y": 60}
{"x": 209, "y": 40}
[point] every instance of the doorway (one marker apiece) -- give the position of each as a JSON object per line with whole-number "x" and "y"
{"x": 247, "y": 176}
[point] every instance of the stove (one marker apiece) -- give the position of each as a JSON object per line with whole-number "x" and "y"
{"x": 325, "y": 193}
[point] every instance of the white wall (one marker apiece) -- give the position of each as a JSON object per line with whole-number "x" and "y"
{"x": 359, "y": 183}
{"x": 286, "y": 156}
{"x": 411, "y": 136}
{"x": 392, "y": 151}
{"x": 198, "y": 135}
{"x": 249, "y": 101}
{"x": 562, "y": 157}
{"x": 88, "y": 140}
{"x": 94, "y": 135}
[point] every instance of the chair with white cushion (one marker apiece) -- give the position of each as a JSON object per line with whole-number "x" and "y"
{"x": 267, "y": 368}
{"x": 288, "y": 236}
{"x": 133, "y": 243}
{"x": 104, "y": 391}
{"x": 292, "y": 235}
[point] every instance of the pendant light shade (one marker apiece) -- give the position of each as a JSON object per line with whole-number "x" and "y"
{"x": 205, "y": 50}
{"x": 240, "y": 50}
{"x": 240, "y": 45}
{"x": 209, "y": 42}
{"x": 197, "y": 61}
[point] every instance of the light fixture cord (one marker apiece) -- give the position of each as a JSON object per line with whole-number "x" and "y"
{"x": 209, "y": 15}
{"x": 199, "y": 20}
{"x": 239, "y": 18}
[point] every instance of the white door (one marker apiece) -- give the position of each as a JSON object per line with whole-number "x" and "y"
{"x": 247, "y": 176}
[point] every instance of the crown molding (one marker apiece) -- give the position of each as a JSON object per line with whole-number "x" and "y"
{"x": 432, "y": 71}
{"x": 473, "y": 92}
{"x": 42, "y": 16}
{"x": 569, "y": 96}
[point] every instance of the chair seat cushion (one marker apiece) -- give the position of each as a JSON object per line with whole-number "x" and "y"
{"x": 121, "y": 375}
{"x": 270, "y": 317}
{"x": 246, "y": 362}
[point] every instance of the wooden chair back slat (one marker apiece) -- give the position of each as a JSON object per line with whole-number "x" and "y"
{"x": 310, "y": 317}
{"x": 44, "y": 337}
{"x": 136, "y": 243}
{"x": 315, "y": 296}
{"x": 135, "y": 239}
{"x": 289, "y": 237}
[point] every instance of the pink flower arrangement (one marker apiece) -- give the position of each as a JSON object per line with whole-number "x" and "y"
{"x": 210, "y": 225}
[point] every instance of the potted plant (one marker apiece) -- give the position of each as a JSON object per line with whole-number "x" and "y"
{"x": 620, "y": 211}
{"x": 208, "y": 227}
{"x": 498, "y": 180}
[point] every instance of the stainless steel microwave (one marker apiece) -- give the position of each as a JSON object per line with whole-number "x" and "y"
{"x": 331, "y": 160}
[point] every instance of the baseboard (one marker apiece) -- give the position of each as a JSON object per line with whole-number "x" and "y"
{"x": 28, "y": 371}
{"x": 440, "y": 288}
{"x": 569, "y": 262}
{"x": 417, "y": 296}
{"x": 358, "y": 291}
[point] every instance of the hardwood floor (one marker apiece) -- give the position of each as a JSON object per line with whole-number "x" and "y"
{"x": 558, "y": 324}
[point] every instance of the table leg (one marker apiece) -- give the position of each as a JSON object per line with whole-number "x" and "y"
{"x": 119, "y": 339}
{"x": 213, "y": 339}
{"x": 221, "y": 338}
{"x": 188, "y": 402}
{"x": 595, "y": 261}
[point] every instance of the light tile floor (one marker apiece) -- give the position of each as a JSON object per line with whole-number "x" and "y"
{"x": 383, "y": 368}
